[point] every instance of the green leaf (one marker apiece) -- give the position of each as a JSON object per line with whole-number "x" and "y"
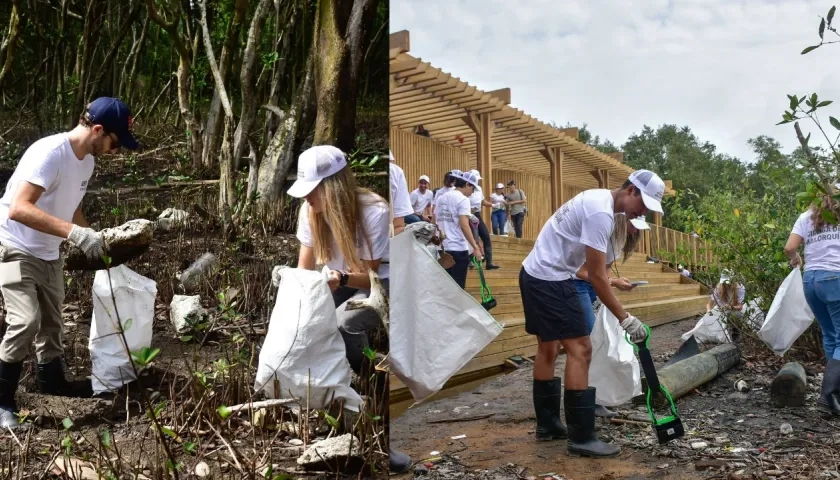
{"x": 127, "y": 324}
{"x": 822, "y": 28}
{"x": 106, "y": 438}
{"x": 813, "y": 99}
{"x": 770, "y": 226}
{"x": 168, "y": 432}
{"x": 809, "y": 49}
{"x": 830, "y": 15}
{"x": 825, "y": 103}
{"x": 190, "y": 447}
{"x": 793, "y": 102}
{"x": 68, "y": 424}
{"x": 224, "y": 412}
{"x": 834, "y": 122}
{"x": 186, "y": 338}
{"x": 829, "y": 216}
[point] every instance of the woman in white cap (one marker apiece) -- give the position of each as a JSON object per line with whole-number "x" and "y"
{"x": 498, "y": 218}
{"x": 728, "y": 295}
{"x": 821, "y": 281}
{"x": 452, "y": 215}
{"x": 624, "y": 239}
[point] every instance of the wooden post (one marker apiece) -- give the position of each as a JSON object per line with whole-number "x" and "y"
{"x": 483, "y": 127}
{"x": 555, "y": 162}
{"x": 790, "y": 386}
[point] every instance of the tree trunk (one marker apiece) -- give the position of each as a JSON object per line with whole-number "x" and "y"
{"x": 332, "y": 57}
{"x": 129, "y": 73}
{"x": 360, "y": 20}
{"x": 112, "y": 52}
{"x": 8, "y": 45}
{"x": 82, "y": 61}
{"x": 279, "y": 71}
{"x": 186, "y": 112}
{"x": 214, "y": 119}
{"x": 249, "y": 100}
{"x": 279, "y": 154}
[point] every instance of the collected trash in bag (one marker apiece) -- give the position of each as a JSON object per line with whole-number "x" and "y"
{"x": 303, "y": 352}
{"x": 789, "y": 315}
{"x": 440, "y": 326}
{"x": 711, "y": 328}
{"x": 135, "y": 305}
{"x": 614, "y": 370}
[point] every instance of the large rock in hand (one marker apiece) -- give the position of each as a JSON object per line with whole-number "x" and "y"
{"x": 337, "y": 454}
{"x": 124, "y": 243}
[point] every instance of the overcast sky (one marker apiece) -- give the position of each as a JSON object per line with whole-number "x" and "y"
{"x": 722, "y": 67}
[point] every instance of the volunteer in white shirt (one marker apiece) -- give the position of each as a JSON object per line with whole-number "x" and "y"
{"x": 448, "y": 182}
{"x": 624, "y": 239}
{"x": 728, "y": 294}
{"x": 578, "y": 233}
{"x": 39, "y": 210}
{"x": 400, "y": 201}
{"x": 476, "y": 202}
{"x": 421, "y": 199}
{"x": 499, "y": 215}
{"x": 452, "y": 213}
{"x": 822, "y": 289}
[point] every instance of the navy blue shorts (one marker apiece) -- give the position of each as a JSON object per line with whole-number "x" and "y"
{"x": 553, "y": 310}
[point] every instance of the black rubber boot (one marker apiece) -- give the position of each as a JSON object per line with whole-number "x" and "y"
{"x": 547, "y": 408}
{"x": 398, "y": 461}
{"x": 9, "y": 379}
{"x": 580, "y": 415}
{"x": 604, "y": 412}
{"x": 51, "y": 381}
{"x": 828, "y": 402}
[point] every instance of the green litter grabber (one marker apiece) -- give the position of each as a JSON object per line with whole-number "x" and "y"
{"x": 487, "y": 300}
{"x": 670, "y": 427}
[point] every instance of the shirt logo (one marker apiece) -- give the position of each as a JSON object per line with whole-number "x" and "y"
{"x": 301, "y": 175}
{"x": 84, "y": 186}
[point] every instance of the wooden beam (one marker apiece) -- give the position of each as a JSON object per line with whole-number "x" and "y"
{"x": 400, "y": 40}
{"x": 573, "y": 132}
{"x": 603, "y": 177}
{"x": 502, "y": 94}
{"x": 484, "y": 156}
{"x": 618, "y": 156}
{"x": 471, "y": 120}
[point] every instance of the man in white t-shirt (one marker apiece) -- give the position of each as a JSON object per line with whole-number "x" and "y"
{"x": 40, "y": 209}
{"x": 421, "y": 199}
{"x": 578, "y": 233}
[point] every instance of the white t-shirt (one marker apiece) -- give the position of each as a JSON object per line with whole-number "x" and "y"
{"x": 497, "y": 200}
{"x": 49, "y": 163}
{"x": 419, "y": 201}
{"x": 822, "y": 248}
{"x": 560, "y": 250}
{"x": 476, "y": 198}
{"x": 376, "y": 218}
{"x": 448, "y": 210}
{"x": 399, "y": 192}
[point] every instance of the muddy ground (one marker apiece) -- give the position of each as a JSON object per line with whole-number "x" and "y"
{"x": 740, "y": 432}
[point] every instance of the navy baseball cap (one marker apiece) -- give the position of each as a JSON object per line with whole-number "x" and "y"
{"x": 115, "y": 117}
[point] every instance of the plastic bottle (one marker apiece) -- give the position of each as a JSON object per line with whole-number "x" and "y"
{"x": 204, "y": 266}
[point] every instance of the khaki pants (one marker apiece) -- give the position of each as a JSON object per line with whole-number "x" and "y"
{"x": 33, "y": 290}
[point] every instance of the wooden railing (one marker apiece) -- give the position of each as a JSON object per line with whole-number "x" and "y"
{"x": 671, "y": 246}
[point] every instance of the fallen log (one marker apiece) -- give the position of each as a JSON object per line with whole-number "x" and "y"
{"x": 124, "y": 243}
{"x": 686, "y": 375}
{"x": 790, "y": 386}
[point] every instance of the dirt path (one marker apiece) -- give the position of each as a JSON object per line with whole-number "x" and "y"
{"x": 740, "y": 432}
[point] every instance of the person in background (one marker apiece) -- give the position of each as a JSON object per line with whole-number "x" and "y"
{"x": 727, "y": 295}
{"x": 400, "y": 201}
{"x": 516, "y": 207}
{"x": 683, "y": 271}
{"x": 39, "y": 210}
{"x": 477, "y": 200}
{"x": 821, "y": 282}
{"x": 347, "y": 228}
{"x": 421, "y": 199}
{"x": 578, "y": 233}
{"x": 624, "y": 239}
{"x": 448, "y": 185}
{"x": 499, "y": 215}
{"x": 452, "y": 214}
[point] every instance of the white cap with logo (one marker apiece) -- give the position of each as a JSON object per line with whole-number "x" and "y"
{"x": 477, "y": 175}
{"x": 652, "y": 188}
{"x": 314, "y": 165}
{"x": 500, "y": 185}
{"x": 468, "y": 177}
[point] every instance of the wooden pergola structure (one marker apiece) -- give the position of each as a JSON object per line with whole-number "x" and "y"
{"x": 494, "y": 135}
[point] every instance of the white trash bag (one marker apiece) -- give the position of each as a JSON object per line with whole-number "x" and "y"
{"x": 440, "y": 327}
{"x": 711, "y": 328}
{"x": 509, "y": 230}
{"x": 135, "y": 304}
{"x": 614, "y": 370}
{"x": 789, "y": 315}
{"x": 303, "y": 348}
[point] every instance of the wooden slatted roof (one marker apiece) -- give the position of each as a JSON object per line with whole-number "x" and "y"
{"x": 421, "y": 94}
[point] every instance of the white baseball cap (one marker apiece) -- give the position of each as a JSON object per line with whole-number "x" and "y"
{"x": 477, "y": 175}
{"x": 424, "y": 177}
{"x": 725, "y": 276}
{"x": 314, "y": 165}
{"x": 500, "y": 185}
{"x": 640, "y": 223}
{"x": 469, "y": 177}
{"x": 652, "y": 188}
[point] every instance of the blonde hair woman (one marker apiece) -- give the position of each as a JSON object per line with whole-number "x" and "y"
{"x": 728, "y": 295}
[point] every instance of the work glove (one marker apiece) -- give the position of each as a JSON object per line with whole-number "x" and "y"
{"x": 275, "y": 276}
{"x": 635, "y": 328}
{"x": 88, "y": 240}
